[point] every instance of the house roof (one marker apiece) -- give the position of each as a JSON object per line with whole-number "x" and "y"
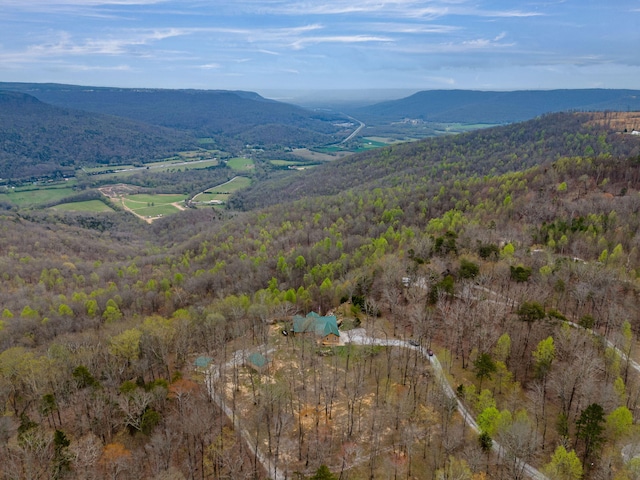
{"x": 258, "y": 360}
{"x": 321, "y": 326}
{"x": 203, "y": 362}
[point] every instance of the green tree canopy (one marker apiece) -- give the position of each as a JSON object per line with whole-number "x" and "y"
{"x": 590, "y": 428}
{"x": 619, "y": 422}
{"x": 323, "y": 473}
{"x": 563, "y": 465}
{"x": 544, "y": 355}
{"x": 484, "y": 367}
{"x": 530, "y": 312}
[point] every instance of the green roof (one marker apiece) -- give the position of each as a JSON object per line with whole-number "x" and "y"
{"x": 313, "y": 322}
{"x": 258, "y": 360}
{"x": 203, "y": 362}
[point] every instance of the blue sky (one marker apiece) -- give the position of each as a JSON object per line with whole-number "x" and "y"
{"x": 317, "y": 44}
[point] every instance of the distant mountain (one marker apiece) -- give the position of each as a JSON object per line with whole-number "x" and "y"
{"x": 37, "y": 139}
{"x": 491, "y": 151}
{"x": 232, "y": 118}
{"x": 469, "y": 106}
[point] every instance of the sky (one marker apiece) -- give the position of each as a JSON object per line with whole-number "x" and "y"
{"x": 262, "y": 45}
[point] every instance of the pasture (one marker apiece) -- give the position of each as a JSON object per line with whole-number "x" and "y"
{"x": 35, "y": 195}
{"x": 152, "y": 206}
{"x": 91, "y": 206}
{"x": 240, "y": 164}
{"x": 219, "y": 194}
{"x": 179, "y": 164}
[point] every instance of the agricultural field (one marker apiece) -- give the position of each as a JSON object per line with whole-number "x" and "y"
{"x": 241, "y": 164}
{"x": 150, "y": 206}
{"x": 317, "y": 155}
{"x": 386, "y": 140}
{"x": 92, "y": 206}
{"x": 182, "y": 163}
{"x": 219, "y": 194}
{"x": 462, "y": 127}
{"x": 293, "y": 164}
{"x": 284, "y": 163}
{"x": 369, "y": 143}
{"x": 24, "y": 197}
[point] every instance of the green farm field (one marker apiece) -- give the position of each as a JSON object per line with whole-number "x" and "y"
{"x": 385, "y": 140}
{"x": 160, "y": 198}
{"x": 240, "y": 164}
{"x": 284, "y": 163}
{"x": 153, "y": 206}
{"x": 154, "y": 211}
{"x": 165, "y": 166}
{"x": 92, "y": 206}
{"x": 220, "y": 193}
{"x": 370, "y": 143}
{"x": 30, "y": 196}
{"x": 293, "y": 163}
{"x": 463, "y": 127}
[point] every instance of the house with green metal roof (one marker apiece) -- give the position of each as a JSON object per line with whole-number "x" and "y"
{"x": 202, "y": 362}
{"x": 325, "y": 329}
{"x": 258, "y": 362}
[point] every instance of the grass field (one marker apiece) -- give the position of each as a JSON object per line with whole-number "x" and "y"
{"x": 30, "y": 196}
{"x": 147, "y": 205}
{"x": 174, "y": 164}
{"x": 370, "y": 143}
{"x": 294, "y": 164}
{"x": 465, "y": 127}
{"x": 219, "y": 194}
{"x": 240, "y": 164}
{"x": 284, "y": 163}
{"x": 154, "y": 211}
{"x": 385, "y": 140}
{"x": 92, "y": 206}
{"x": 161, "y": 198}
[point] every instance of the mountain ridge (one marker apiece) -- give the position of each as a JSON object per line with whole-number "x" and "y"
{"x": 492, "y": 151}
{"x": 477, "y": 106}
{"x": 232, "y": 118}
{"x": 38, "y": 139}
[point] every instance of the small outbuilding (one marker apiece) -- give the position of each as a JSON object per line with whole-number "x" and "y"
{"x": 258, "y": 362}
{"x": 201, "y": 363}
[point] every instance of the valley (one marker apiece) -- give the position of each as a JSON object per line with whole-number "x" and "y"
{"x": 483, "y": 283}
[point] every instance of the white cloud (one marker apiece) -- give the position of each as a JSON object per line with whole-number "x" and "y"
{"x": 269, "y": 52}
{"x": 376, "y": 8}
{"x": 298, "y": 44}
{"x": 442, "y": 80}
{"x": 99, "y": 68}
{"x": 66, "y": 45}
{"x": 409, "y": 28}
{"x": 36, "y": 4}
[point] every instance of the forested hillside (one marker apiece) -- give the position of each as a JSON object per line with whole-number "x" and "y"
{"x": 486, "y": 152}
{"x": 232, "y": 118}
{"x": 38, "y": 140}
{"x": 481, "y": 247}
{"x": 472, "y": 106}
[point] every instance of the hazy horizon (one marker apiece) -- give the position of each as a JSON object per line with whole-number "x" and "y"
{"x": 289, "y": 45}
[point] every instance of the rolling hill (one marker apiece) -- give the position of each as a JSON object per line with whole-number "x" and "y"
{"x": 470, "y": 106}
{"x": 231, "y": 118}
{"x": 492, "y": 151}
{"x": 38, "y": 139}
{"x": 481, "y": 247}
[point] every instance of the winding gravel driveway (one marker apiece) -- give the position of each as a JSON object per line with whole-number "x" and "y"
{"x": 358, "y": 337}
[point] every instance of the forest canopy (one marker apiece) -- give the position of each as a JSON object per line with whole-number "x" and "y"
{"x": 509, "y": 257}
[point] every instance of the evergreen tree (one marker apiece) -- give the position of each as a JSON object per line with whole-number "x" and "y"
{"x": 590, "y": 429}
